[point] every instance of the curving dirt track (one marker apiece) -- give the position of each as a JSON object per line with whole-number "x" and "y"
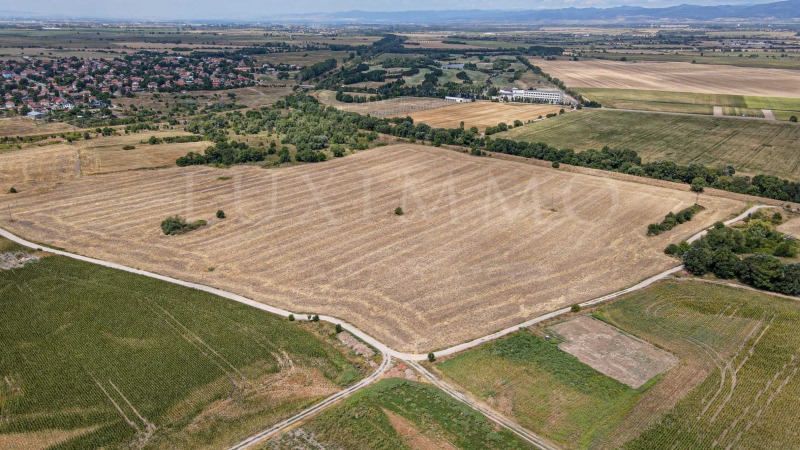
{"x": 484, "y": 243}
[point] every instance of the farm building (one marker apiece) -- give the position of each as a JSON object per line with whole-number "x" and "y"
{"x": 458, "y": 99}
{"x": 36, "y": 115}
{"x": 549, "y": 96}
{"x": 459, "y": 66}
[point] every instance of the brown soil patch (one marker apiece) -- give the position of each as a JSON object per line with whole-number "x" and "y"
{"x": 42, "y": 439}
{"x": 357, "y": 346}
{"x": 791, "y": 227}
{"x": 611, "y": 352}
{"x": 15, "y": 260}
{"x": 675, "y": 76}
{"x": 412, "y": 436}
{"x": 484, "y": 243}
{"x": 482, "y": 114}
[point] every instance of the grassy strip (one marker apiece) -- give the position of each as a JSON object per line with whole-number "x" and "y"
{"x": 361, "y": 421}
{"x": 547, "y": 390}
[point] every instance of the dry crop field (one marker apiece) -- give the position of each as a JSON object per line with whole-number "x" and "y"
{"x": 483, "y": 244}
{"x": 675, "y": 76}
{"x": 38, "y": 167}
{"x": 482, "y": 114}
{"x": 22, "y": 126}
{"x": 400, "y": 106}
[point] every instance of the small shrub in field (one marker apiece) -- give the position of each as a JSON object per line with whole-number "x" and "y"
{"x": 291, "y": 317}
{"x": 220, "y": 214}
{"x": 12, "y": 190}
{"x": 431, "y": 357}
{"x": 178, "y": 225}
{"x": 575, "y": 308}
{"x": 398, "y": 211}
{"x": 128, "y": 147}
{"x": 556, "y": 165}
{"x": 339, "y": 328}
{"x": 315, "y": 318}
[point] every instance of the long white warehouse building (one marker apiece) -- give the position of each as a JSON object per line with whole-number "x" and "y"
{"x": 550, "y": 96}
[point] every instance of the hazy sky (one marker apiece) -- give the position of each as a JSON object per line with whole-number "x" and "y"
{"x": 254, "y": 9}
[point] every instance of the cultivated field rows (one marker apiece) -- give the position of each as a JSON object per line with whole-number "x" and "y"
{"x": 39, "y": 167}
{"x": 482, "y": 114}
{"x": 484, "y": 244}
{"x": 675, "y": 76}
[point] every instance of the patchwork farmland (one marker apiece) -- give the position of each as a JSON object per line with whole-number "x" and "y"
{"x": 751, "y": 148}
{"x": 463, "y": 261}
{"x": 735, "y": 385}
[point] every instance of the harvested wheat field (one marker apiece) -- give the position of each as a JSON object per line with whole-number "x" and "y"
{"x": 675, "y": 76}
{"x": 483, "y": 244}
{"x": 400, "y": 106}
{"x": 482, "y": 114}
{"x": 23, "y": 126}
{"x": 39, "y": 167}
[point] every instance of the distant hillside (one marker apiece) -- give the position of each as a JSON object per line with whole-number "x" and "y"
{"x": 784, "y": 10}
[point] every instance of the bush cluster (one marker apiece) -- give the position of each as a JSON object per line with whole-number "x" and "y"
{"x": 671, "y": 220}
{"x": 749, "y": 254}
{"x": 178, "y": 225}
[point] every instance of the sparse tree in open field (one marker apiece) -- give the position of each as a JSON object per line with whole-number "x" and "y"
{"x": 220, "y": 214}
{"x": 398, "y": 211}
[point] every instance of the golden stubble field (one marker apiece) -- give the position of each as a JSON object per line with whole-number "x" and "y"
{"x": 483, "y": 244}
{"x": 482, "y": 114}
{"x": 38, "y": 168}
{"x": 675, "y": 76}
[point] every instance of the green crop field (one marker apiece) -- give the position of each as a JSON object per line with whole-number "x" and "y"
{"x": 751, "y": 147}
{"x": 749, "y": 400}
{"x": 544, "y": 389}
{"x": 94, "y": 357}
{"x": 399, "y": 414}
{"x": 735, "y": 385}
{"x": 689, "y": 102}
